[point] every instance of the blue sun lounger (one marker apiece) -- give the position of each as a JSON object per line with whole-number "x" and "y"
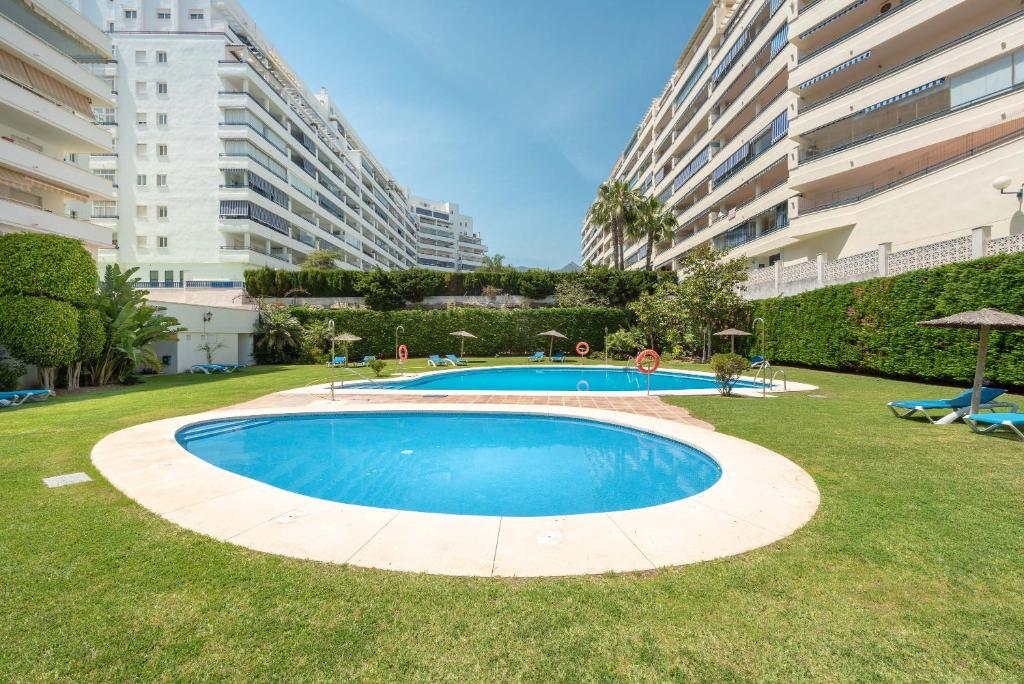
{"x": 957, "y": 407}
{"x": 364, "y": 361}
{"x": 558, "y": 356}
{"x": 437, "y": 361}
{"x": 18, "y": 397}
{"x": 207, "y": 368}
{"x": 537, "y": 356}
{"x": 993, "y": 421}
{"x": 456, "y": 361}
{"x": 337, "y": 361}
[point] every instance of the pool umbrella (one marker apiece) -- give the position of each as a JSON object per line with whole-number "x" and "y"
{"x": 462, "y": 343}
{"x": 552, "y": 334}
{"x": 732, "y": 333}
{"x": 347, "y": 338}
{"x": 985, "y": 320}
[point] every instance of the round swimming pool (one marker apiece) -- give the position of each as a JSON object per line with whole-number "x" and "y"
{"x": 488, "y": 464}
{"x": 552, "y": 379}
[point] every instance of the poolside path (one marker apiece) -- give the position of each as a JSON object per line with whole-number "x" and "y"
{"x": 652, "y": 407}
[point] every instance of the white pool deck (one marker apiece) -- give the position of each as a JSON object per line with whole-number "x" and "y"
{"x": 345, "y": 384}
{"x": 761, "y": 498}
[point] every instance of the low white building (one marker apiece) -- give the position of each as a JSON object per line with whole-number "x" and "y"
{"x": 226, "y": 331}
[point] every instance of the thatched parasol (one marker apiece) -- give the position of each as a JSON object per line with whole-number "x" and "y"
{"x": 985, "y": 320}
{"x": 346, "y": 339}
{"x": 462, "y": 343}
{"x": 732, "y": 334}
{"x": 552, "y": 334}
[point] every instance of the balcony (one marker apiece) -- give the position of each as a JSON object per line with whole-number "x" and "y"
{"x": 37, "y": 114}
{"x": 30, "y": 218}
{"x": 855, "y": 18}
{"x": 53, "y": 174}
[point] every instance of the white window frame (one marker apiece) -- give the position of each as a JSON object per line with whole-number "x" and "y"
{"x": 161, "y": 211}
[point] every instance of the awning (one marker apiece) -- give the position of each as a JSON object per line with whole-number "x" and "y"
{"x": 738, "y": 47}
{"x": 693, "y": 167}
{"x": 32, "y": 185}
{"x": 838, "y": 15}
{"x": 835, "y": 70}
{"x": 729, "y": 164}
{"x": 904, "y": 96}
{"x": 779, "y": 41}
{"x": 780, "y": 126}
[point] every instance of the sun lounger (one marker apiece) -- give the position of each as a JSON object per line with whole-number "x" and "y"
{"x": 993, "y": 421}
{"x": 956, "y": 408}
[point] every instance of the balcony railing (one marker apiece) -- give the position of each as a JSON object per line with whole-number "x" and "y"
{"x": 198, "y": 284}
{"x": 859, "y": 29}
{"x": 923, "y": 57}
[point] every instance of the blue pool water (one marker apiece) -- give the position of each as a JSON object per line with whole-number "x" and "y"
{"x": 553, "y": 379}
{"x": 461, "y": 463}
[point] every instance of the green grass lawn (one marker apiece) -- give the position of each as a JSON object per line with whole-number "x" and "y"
{"x": 912, "y": 569}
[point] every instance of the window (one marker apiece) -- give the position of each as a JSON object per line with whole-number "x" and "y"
{"x": 161, "y": 212}
{"x": 161, "y": 119}
{"x": 140, "y": 211}
{"x": 161, "y": 150}
{"x": 163, "y": 13}
{"x": 168, "y": 276}
{"x": 140, "y": 150}
{"x": 161, "y": 241}
{"x": 161, "y": 88}
{"x": 161, "y": 57}
{"x": 140, "y": 88}
{"x": 154, "y": 276}
{"x": 195, "y": 14}
{"x": 140, "y": 118}
{"x": 161, "y": 180}
{"x": 140, "y": 180}
{"x": 131, "y": 14}
{"x": 140, "y": 56}
{"x": 108, "y": 174}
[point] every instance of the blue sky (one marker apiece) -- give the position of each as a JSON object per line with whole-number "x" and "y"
{"x": 515, "y": 110}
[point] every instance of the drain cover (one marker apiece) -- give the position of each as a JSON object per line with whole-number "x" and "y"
{"x": 61, "y": 480}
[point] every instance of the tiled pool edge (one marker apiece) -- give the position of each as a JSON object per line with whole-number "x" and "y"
{"x": 761, "y": 498}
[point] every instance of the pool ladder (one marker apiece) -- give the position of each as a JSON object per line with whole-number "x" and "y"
{"x": 762, "y": 373}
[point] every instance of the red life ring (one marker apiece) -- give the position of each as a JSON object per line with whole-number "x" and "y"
{"x": 643, "y": 356}
{"x": 403, "y": 353}
{"x": 582, "y": 348}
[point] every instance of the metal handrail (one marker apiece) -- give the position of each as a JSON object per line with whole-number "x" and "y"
{"x": 785, "y": 385}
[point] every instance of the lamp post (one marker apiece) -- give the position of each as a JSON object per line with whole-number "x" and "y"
{"x": 1003, "y": 182}
{"x": 397, "y": 330}
{"x": 330, "y": 329}
{"x": 764, "y": 356}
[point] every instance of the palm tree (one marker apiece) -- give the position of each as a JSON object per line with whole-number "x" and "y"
{"x": 278, "y": 332}
{"x": 613, "y": 212}
{"x": 654, "y": 222}
{"x": 493, "y": 263}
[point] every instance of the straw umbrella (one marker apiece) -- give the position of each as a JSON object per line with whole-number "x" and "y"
{"x": 552, "y": 334}
{"x": 985, "y": 320}
{"x": 462, "y": 343}
{"x": 346, "y": 338}
{"x": 732, "y": 334}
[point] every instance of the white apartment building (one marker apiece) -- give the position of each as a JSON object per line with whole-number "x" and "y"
{"x": 224, "y": 160}
{"x": 834, "y": 140}
{"x": 446, "y": 238}
{"x": 47, "y": 96}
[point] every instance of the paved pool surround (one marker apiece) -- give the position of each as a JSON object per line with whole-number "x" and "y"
{"x": 761, "y": 497}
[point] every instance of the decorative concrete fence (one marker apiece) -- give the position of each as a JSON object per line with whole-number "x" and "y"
{"x": 779, "y": 280}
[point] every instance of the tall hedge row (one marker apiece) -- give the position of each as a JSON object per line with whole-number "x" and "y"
{"x": 498, "y": 330}
{"x": 869, "y": 326}
{"x": 618, "y": 287}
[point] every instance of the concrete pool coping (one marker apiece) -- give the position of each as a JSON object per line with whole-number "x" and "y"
{"x": 374, "y": 385}
{"x": 761, "y": 497}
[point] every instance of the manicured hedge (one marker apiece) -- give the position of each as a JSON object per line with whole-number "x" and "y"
{"x": 869, "y": 326}
{"x": 39, "y": 331}
{"x": 618, "y": 287}
{"x": 51, "y": 266}
{"x": 91, "y": 334}
{"x": 499, "y": 330}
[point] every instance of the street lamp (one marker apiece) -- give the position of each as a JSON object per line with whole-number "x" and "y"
{"x": 1003, "y": 182}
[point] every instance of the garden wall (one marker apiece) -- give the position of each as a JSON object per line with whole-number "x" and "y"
{"x": 498, "y": 331}
{"x": 869, "y": 325}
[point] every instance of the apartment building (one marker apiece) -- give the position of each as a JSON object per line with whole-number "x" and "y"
{"x": 47, "y": 96}
{"x": 832, "y": 140}
{"x": 224, "y": 160}
{"x": 446, "y": 238}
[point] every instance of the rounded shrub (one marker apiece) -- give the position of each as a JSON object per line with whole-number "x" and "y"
{"x": 51, "y": 266}
{"x": 39, "y": 331}
{"x": 91, "y": 334}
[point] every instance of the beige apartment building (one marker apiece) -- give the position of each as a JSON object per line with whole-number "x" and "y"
{"x": 47, "y": 97}
{"x": 835, "y": 140}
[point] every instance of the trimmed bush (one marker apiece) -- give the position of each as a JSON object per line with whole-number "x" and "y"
{"x": 727, "y": 369}
{"x": 51, "y": 266}
{"x": 91, "y": 334}
{"x": 869, "y": 326}
{"x": 499, "y": 330}
{"x": 39, "y": 331}
{"x": 11, "y": 370}
{"x": 618, "y": 288}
